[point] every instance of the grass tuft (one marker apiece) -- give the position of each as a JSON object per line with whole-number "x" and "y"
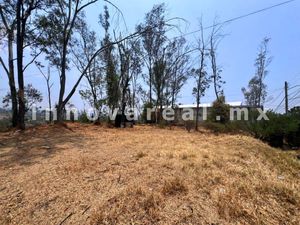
{"x": 174, "y": 187}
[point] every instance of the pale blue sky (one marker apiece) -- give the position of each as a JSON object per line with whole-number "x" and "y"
{"x": 237, "y": 50}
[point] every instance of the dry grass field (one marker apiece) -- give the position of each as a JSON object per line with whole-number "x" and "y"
{"x": 95, "y": 175}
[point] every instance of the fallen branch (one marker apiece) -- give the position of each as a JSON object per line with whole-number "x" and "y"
{"x": 64, "y": 220}
{"x": 87, "y": 208}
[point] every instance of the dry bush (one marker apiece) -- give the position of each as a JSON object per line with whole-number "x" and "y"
{"x": 80, "y": 164}
{"x": 170, "y": 155}
{"x": 240, "y": 202}
{"x": 140, "y": 155}
{"x": 219, "y": 163}
{"x": 186, "y": 156}
{"x": 281, "y": 192}
{"x": 190, "y": 168}
{"x": 232, "y": 207}
{"x": 174, "y": 186}
{"x": 189, "y": 125}
{"x": 208, "y": 181}
{"x": 132, "y": 206}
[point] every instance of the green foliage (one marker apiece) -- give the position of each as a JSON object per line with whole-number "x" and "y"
{"x": 277, "y": 131}
{"x": 112, "y": 86}
{"x": 83, "y": 118}
{"x": 221, "y": 109}
{"x": 279, "y": 124}
{"x": 110, "y": 62}
{"x": 293, "y": 137}
{"x": 163, "y": 124}
{"x": 232, "y": 127}
{"x": 216, "y": 127}
{"x": 148, "y": 105}
{"x": 277, "y": 128}
{"x": 256, "y": 92}
{"x": 31, "y": 96}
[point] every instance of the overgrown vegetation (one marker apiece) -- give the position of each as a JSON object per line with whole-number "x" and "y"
{"x": 220, "y": 111}
{"x": 278, "y": 131}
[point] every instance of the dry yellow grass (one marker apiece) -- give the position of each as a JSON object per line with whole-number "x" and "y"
{"x": 145, "y": 175}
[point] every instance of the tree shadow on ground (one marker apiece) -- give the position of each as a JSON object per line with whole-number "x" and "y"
{"x": 34, "y": 145}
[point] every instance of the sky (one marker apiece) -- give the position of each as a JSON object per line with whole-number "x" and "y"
{"x": 236, "y": 53}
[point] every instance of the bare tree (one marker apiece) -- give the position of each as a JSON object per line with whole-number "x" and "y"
{"x": 159, "y": 82}
{"x": 95, "y": 73}
{"x": 130, "y": 66}
{"x": 256, "y": 93}
{"x": 49, "y": 84}
{"x": 214, "y": 40}
{"x": 200, "y": 75}
{"x": 177, "y": 67}
{"x": 136, "y": 70}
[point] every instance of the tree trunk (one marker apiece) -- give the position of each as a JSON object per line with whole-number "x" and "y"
{"x": 11, "y": 78}
{"x": 214, "y": 67}
{"x": 61, "y": 103}
{"x": 150, "y": 86}
{"x": 20, "y": 41}
{"x": 197, "y": 110}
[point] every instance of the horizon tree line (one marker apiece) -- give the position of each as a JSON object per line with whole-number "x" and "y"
{"x": 145, "y": 67}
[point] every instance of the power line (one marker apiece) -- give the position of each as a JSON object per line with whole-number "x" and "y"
{"x": 291, "y": 93}
{"x": 294, "y": 100}
{"x": 295, "y": 78}
{"x": 240, "y": 17}
{"x": 298, "y": 85}
{"x": 295, "y": 103}
{"x": 279, "y": 104}
{"x": 274, "y": 100}
{"x": 296, "y": 95}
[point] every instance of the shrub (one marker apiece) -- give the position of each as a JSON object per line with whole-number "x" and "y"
{"x": 277, "y": 129}
{"x": 220, "y": 109}
{"x": 231, "y": 127}
{"x": 83, "y": 118}
{"x": 189, "y": 125}
{"x": 163, "y": 124}
{"x": 174, "y": 187}
{"x": 148, "y": 105}
{"x": 5, "y": 125}
{"x": 215, "y": 127}
{"x": 293, "y": 137}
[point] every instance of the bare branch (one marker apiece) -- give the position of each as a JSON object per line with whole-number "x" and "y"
{"x": 93, "y": 57}
{"x": 32, "y": 61}
{"x": 3, "y": 64}
{"x": 86, "y": 5}
{"x": 3, "y": 19}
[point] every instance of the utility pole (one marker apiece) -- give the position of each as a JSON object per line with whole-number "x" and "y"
{"x": 286, "y": 98}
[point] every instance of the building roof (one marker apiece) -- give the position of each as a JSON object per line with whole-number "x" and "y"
{"x": 234, "y": 104}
